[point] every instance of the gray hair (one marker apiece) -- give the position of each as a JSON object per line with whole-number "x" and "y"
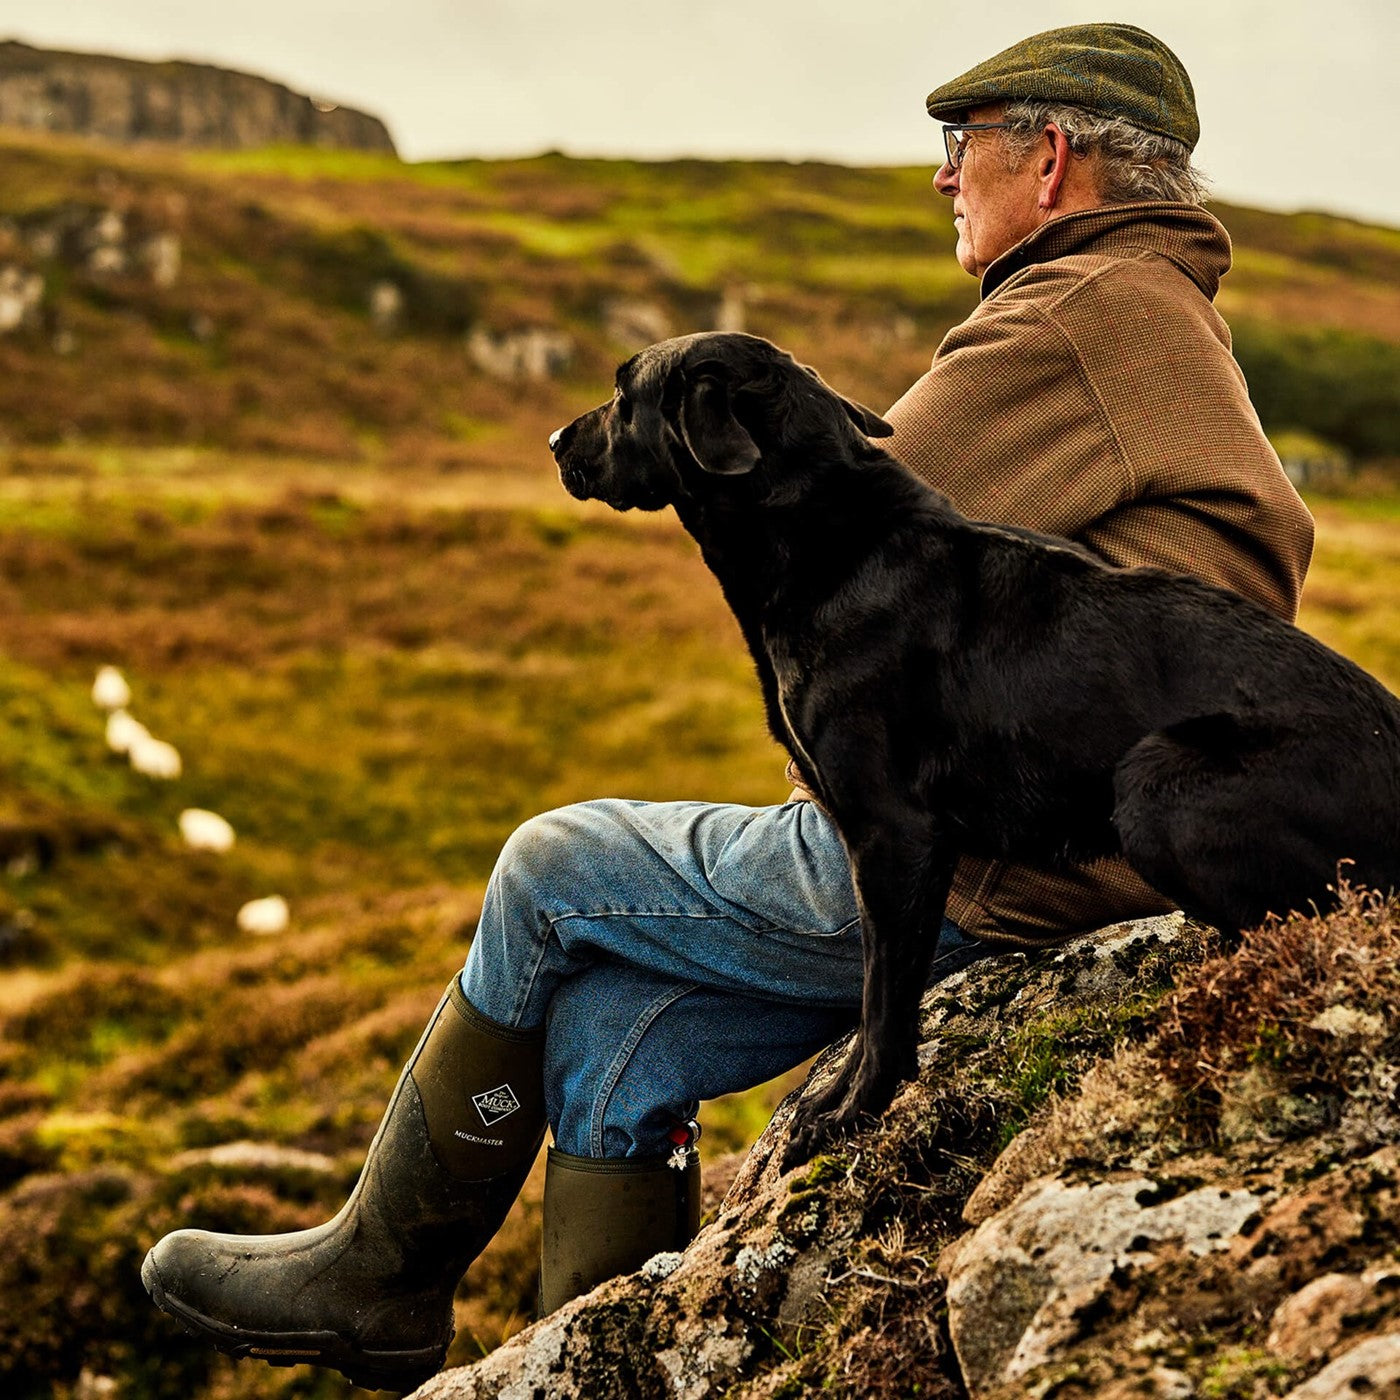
{"x": 1130, "y": 163}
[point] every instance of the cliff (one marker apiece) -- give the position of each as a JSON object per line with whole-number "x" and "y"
{"x": 188, "y": 104}
{"x": 1140, "y": 1166}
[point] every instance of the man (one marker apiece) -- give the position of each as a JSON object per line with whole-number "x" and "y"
{"x": 634, "y": 958}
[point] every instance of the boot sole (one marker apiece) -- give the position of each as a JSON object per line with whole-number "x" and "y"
{"x": 369, "y": 1369}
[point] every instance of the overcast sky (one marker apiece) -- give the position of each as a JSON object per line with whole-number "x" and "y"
{"x": 1299, "y": 102}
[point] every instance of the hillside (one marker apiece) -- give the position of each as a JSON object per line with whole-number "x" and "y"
{"x": 341, "y": 305}
{"x": 272, "y": 440}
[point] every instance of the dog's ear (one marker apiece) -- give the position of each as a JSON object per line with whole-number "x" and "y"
{"x": 866, "y": 419}
{"x": 714, "y": 436}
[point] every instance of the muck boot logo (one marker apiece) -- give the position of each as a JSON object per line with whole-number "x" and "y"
{"x": 495, "y": 1104}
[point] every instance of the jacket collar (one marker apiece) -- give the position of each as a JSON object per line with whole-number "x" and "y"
{"x": 1196, "y": 242}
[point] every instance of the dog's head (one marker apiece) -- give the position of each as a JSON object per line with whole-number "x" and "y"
{"x": 692, "y": 414}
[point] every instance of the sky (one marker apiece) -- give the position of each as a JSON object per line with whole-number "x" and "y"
{"x": 1299, "y": 102}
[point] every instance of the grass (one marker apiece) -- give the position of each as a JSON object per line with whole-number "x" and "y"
{"x": 374, "y": 680}
{"x": 339, "y": 573}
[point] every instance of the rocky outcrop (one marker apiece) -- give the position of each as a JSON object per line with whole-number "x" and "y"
{"x": 533, "y": 353}
{"x": 188, "y": 104}
{"x": 1133, "y": 1167}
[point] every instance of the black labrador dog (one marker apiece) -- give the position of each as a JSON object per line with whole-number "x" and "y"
{"x": 948, "y": 686}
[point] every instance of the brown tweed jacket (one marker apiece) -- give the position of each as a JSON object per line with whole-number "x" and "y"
{"x": 1092, "y": 394}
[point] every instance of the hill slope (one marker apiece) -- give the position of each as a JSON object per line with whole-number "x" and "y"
{"x": 335, "y": 302}
{"x": 317, "y": 525}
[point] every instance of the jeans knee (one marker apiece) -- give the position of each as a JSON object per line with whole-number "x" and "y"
{"x": 535, "y": 845}
{"x": 554, "y": 858}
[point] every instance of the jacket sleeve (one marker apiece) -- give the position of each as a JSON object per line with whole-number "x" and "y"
{"x": 1006, "y": 424}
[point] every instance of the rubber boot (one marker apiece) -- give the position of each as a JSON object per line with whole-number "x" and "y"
{"x": 605, "y": 1216}
{"x": 370, "y": 1292}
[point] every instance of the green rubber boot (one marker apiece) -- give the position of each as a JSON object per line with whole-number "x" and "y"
{"x": 605, "y": 1216}
{"x": 369, "y": 1293}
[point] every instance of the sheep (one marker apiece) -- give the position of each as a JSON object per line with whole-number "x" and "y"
{"x": 205, "y": 831}
{"x": 110, "y": 690}
{"x": 269, "y": 915}
{"x": 154, "y": 758}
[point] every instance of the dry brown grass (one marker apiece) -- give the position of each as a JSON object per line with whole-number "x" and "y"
{"x": 1307, "y": 997}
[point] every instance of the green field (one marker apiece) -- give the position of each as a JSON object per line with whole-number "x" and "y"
{"x": 336, "y": 567}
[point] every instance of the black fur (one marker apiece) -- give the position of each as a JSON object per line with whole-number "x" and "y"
{"x": 949, "y": 686}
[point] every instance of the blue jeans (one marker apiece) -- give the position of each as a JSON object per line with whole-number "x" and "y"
{"x": 674, "y": 951}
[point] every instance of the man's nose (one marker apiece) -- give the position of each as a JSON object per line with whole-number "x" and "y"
{"x": 945, "y": 180}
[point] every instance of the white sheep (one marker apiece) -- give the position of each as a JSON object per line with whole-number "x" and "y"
{"x": 110, "y": 690}
{"x": 205, "y": 831}
{"x": 123, "y": 732}
{"x": 269, "y": 915}
{"x": 154, "y": 758}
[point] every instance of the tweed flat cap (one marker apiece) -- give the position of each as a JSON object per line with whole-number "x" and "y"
{"x": 1116, "y": 70}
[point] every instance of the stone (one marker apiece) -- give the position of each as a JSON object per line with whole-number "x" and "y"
{"x": 1019, "y": 1287}
{"x": 385, "y": 306}
{"x": 1371, "y": 1367}
{"x": 188, "y": 104}
{"x": 636, "y": 323}
{"x": 243, "y": 1157}
{"x": 1308, "y": 1324}
{"x": 21, "y": 296}
{"x": 535, "y": 353}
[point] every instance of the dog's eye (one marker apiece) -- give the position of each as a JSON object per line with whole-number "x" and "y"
{"x": 624, "y": 408}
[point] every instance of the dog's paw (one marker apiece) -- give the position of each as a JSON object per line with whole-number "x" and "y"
{"x": 806, "y": 1140}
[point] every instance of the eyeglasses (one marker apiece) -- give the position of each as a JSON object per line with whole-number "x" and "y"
{"x": 955, "y": 139}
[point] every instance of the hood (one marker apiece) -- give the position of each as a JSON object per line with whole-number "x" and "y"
{"x": 1184, "y": 234}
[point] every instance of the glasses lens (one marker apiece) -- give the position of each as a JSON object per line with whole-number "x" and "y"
{"x": 953, "y": 142}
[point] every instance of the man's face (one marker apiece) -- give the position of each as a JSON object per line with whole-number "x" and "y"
{"x": 993, "y": 208}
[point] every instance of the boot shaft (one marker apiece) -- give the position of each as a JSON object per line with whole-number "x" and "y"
{"x": 605, "y": 1216}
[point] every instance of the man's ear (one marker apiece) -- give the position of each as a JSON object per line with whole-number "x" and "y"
{"x": 866, "y": 419}
{"x": 709, "y": 429}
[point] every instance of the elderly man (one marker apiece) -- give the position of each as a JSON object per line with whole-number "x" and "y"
{"x": 635, "y": 958}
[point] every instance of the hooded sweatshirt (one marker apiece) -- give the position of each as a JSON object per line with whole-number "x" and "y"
{"x": 1092, "y": 394}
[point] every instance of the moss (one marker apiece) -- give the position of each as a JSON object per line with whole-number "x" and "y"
{"x": 1240, "y": 1372}
{"x": 824, "y": 1168}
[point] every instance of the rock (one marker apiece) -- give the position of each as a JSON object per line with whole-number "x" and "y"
{"x": 92, "y": 1386}
{"x": 729, "y": 314}
{"x": 1019, "y": 1288}
{"x": 265, "y": 916}
{"x": 110, "y": 690}
{"x": 159, "y": 255}
{"x": 782, "y": 1253}
{"x": 535, "y": 353}
{"x": 385, "y": 306}
{"x": 205, "y": 831}
{"x": 188, "y": 104}
{"x": 103, "y": 241}
{"x": 1122, "y": 1244}
{"x": 1371, "y": 1367}
{"x": 1347, "y": 1023}
{"x": 241, "y": 1158}
{"x": 21, "y": 296}
{"x": 636, "y": 323}
{"x": 1309, "y": 1323}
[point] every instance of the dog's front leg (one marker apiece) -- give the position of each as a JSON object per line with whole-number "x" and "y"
{"x": 902, "y": 877}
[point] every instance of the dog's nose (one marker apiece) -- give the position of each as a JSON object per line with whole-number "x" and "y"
{"x": 556, "y": 437}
